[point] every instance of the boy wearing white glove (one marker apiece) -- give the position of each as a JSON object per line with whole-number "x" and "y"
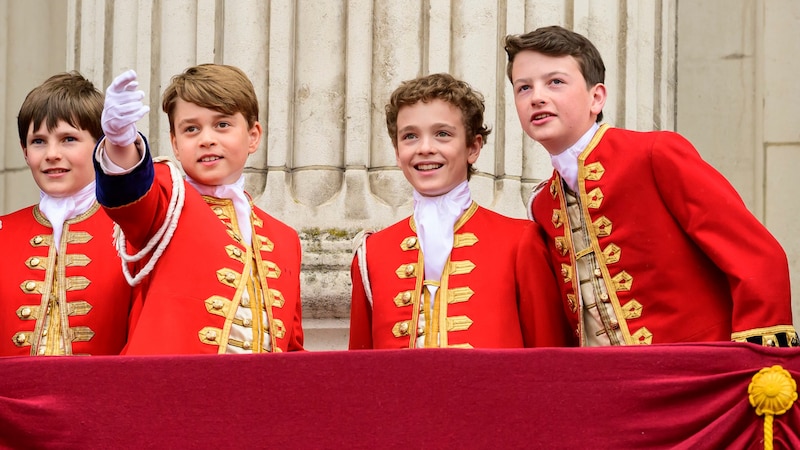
{"x": 217, "y": 274}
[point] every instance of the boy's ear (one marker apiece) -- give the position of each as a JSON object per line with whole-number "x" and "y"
{"x": 174, "y": 144}
{"x": 255, "y": 137}
{"x": 598, "y": 98}
{"x": 474, "y": 150}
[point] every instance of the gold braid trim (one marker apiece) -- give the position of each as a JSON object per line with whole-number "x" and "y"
{"x": 776, "y": 336}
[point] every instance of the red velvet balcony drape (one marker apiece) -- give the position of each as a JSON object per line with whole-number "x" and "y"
{"x": 665, "y": 396}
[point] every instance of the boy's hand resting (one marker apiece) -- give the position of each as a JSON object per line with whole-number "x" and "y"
{"x": 123, "y": 108}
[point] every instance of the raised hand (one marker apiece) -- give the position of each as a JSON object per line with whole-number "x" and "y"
{"x": 122, "y": 109}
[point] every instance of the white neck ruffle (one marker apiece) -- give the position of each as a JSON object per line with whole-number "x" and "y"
{"x": 241, "y": 203}
{"x": 60, "y": 209}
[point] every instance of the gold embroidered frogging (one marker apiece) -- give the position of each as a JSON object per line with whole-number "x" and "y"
{"x": 249, "y": 323}
{"x": 429, "y": 320}
{"x": 777, "y": 336}
{"x": 603, "y": 320}
{"x": 49, "y": 308}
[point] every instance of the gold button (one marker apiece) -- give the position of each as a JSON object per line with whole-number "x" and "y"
{"x": 406, "y": 296}
{"x": 411, "y": 242}
{"x": 30, "y": 285}
{"x": 246, "y": 345}
{"x": 38, "y": 240}
{"x": 26, "y": 312}
{"x": 237, "y": 252}
{"x": 218, "y": 210}
{"x": 244, "y": 302}
{"x": 21, "y": 338}
{"x": 211, "y": 335}
{"x": 410, "y": 269}
{"x": 230, "y": 277}
{"x": 559, "y": 245}
{"x": 604, "y": 297}
{"x": 564, "y": 272}
{"x": 247, "y": 322}
{"x": 598, "y": 273}
{"x": 770, "y": 343}
{"x": 420, "y": 331}
{"x": 217, "y": 304}
{"x": 404, "y": 328}
{"x": 35, "y": 261}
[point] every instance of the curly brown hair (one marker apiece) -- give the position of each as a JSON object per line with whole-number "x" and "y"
{"x": 441, "y": 86}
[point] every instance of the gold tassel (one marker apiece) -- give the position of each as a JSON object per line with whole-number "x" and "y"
{"x": 772, "y": 392}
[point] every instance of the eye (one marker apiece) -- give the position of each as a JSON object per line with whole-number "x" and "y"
{"x": 37, "y": 141}
{"x": 443, "y": 134}
{"x": 408, "y": 136}
{"x": 557, "y": 81}
{"x": 190, "y": 129}
{"x": 70, "y": 139}
{"x": 522, "y": 88}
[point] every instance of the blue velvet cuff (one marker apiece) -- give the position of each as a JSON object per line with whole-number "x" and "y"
{"x": 121, "y": 190}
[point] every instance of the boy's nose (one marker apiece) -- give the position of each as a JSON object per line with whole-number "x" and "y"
{"x": 207, "y": 138}
{"x": 426, "y": 145}
{"x": 53, "y": 151}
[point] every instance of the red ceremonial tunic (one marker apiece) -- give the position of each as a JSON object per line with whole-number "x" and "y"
{"x": 77, "y": 296}
{"x": 681, "y": 256}
{"x": 188, "y": 302}
{"x": 497, "y": 290}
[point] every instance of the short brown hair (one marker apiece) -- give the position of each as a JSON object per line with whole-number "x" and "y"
{"x": 441, "y": 86}
{"x": 559, "y": 41}
{"x": 218, "y": 87}
{"x": 67, "y": 97}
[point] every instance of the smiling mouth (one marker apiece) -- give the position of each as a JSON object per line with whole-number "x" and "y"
{"x": 428, "y": 166}
{"x": 55, "y": 171}
{"x": 542, "y": 116}
{"x": 210, "y": 158}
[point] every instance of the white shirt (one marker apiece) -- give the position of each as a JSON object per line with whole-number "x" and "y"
{"x": 60, "y": 209}
{"x": 435, "y": 218}
{"x": 566, "y": 162}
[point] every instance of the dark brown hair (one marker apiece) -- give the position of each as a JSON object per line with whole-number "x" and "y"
{"x": 559, "y": 41}
{"x": 67, "y": 97}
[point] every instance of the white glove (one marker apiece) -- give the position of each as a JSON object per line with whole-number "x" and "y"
{"x": 122, "y": 109}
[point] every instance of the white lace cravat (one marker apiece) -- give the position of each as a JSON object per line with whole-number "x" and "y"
{"x": 60, "y": 209}
{"x": 435, "y": 218}
{"x": 566, "y": 162}
{"x": 241, "y": 204}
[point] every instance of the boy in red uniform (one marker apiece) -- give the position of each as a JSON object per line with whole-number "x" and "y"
{"x": 217, "y": 274}
{"x": 453, "y": 274}
{"x": 62, "y": 291}
{"x": 653, "y": 244}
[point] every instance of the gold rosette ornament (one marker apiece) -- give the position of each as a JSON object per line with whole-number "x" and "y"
{"x": 772, "y": 392}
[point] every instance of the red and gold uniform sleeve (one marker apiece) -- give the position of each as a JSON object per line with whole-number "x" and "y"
{"x": 360, "y": 312}
{"x": 714, "y": 216}
{"x": 542, "y": 317}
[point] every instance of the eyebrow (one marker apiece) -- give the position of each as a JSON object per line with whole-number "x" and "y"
{"x": 547, "y": 75}
{"x": 434, "y": 125}
{"x": 194, "y": 119}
